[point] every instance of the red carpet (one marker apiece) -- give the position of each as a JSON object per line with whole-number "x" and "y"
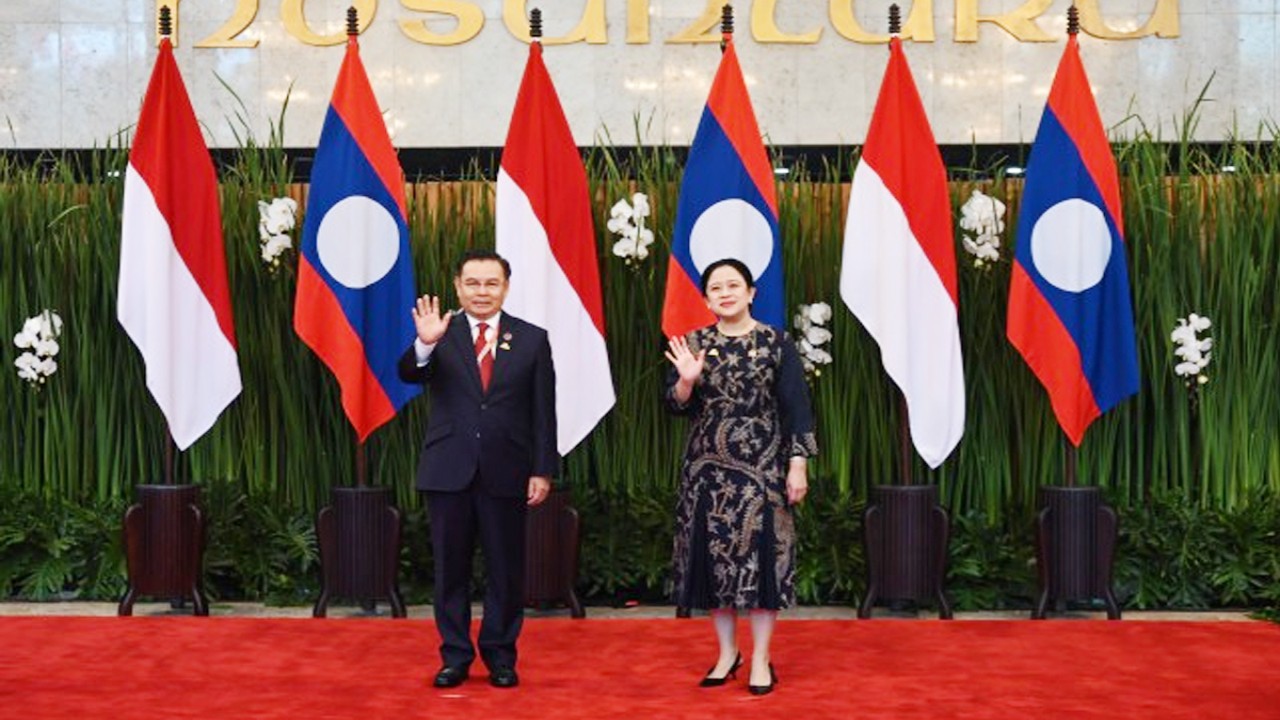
{"x": 53, "y": 667}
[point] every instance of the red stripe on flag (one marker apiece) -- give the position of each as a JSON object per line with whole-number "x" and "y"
{"x": 1071, "y": 101}
{"x": 170, "y": 155}
{"x": 683, "y": 307}
{"x": 1035, "y": 330}
{"x": 323, "y": 326}
{"x": 901, "y": 148}
{"x": 355, "y": 103}
{"x": 730, "y": 103}
{"x": 541, "y": 157}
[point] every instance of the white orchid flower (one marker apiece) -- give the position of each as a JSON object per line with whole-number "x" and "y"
{"x": 621, "y": 210}
{"x": 277, "y": 217}
{"x": 46, "y": 348}
{"x": 821, "y": 356}
{"x": 617, "y": 225}
{"x": 282, "y": 215}
{"x": 819, "y": 313}
{"x": 643, "y": 243}
{"x": 817, "y": 335}
{"x": 31, "y": 327}
{"x": 1186, "y": 369}
{"x": 641, "y": 203}
{"x": 1194, "y": 351}
{"x": 25, "y": 341}
{"x": 1183, "y": 333}
{"x": 625, "y": 248}
{"x": 805, "y": 347}
{"x": 279, "y": 243}
{"x": 28, "y": 374}
{"x": 48, "y": 366}
{"x": 1188, "y": 352}
{"x": 50, "y": 325}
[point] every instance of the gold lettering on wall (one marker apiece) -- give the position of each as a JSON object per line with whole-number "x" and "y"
{"x": 1162, "y": 23}
{"x": 241, "y": 18}
{"x": 591, "y": 29}
{"x": 764, "y": 26}
{"x": 295, "y": 21}
{"x": 469, "y": 17}
{"x": 637, "y": 22}
{"x": 705, "y": 29}
{"x": 1019, "y": 22}
{"x": 918, "y": 27}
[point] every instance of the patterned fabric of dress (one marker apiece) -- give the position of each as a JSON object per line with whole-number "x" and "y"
{"x": 750, "y": 412}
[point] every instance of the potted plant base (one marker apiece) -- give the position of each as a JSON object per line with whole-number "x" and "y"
{"x": 1075, "y": 548}
{"x": 905, "y": 533}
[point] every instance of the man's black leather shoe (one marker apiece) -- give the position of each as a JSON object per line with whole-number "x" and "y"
{"x": 450, "y": 676}
{"x": 503, "y": 677}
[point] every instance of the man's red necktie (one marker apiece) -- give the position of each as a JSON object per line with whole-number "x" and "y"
{"x": 485, "y": 359}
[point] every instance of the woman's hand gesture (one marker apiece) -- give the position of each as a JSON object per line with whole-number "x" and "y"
{"x": 688, "y": 365}
{"x": 428, "y": 321}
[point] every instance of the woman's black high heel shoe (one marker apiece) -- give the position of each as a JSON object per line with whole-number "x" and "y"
{"x": 765, "y": 689}
{"x": 709, "y": 681}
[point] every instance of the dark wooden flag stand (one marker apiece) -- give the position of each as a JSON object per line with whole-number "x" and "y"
{"x": 905, "y": 535}
{"x": 1075, "y": 545}
{"x": 164, "y": 546}
{"x": 552, "y": 544}
{"x": 359, "y": 538}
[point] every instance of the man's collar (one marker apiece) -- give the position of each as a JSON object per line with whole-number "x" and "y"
{"x": 494, "y": 321}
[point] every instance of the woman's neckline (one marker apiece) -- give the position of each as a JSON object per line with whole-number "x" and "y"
{"x": 750, "y": 329}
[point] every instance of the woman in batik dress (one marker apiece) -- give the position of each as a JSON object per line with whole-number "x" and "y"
{"x": 742, "y": 386}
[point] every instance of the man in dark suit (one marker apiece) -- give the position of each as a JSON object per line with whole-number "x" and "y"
{"x": 489, "y": 453}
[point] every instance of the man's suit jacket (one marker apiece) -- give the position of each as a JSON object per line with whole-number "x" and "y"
{"x": 500, "y": 437}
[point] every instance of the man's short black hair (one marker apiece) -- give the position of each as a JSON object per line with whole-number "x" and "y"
{"x": 478, "y": 254}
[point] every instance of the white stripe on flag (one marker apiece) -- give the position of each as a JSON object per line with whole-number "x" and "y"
{"x": 191, "y": 366}
{"x": 889, "y": 283}
{"x": 541, "y": 293}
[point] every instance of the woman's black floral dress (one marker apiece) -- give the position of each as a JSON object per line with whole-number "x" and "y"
{"x": 735, "y": 537}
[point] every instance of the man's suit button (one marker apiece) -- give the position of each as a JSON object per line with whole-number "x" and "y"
{"x": 484, "y": 406}
{"x": 477, "y": 435}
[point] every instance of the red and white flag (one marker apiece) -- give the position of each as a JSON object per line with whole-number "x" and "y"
{"x": 545, "y": 230}
{"x": 174, "y": 301}
{"x": 898, "y": 273}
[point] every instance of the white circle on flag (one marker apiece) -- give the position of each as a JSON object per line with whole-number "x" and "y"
{"x": 732, "y": 229}
{"x": 358, "y": 241}
{"x": 1071, "y": 245}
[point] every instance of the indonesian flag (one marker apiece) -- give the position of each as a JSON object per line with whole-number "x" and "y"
{"x": 898, "y": 273}
{"x": 545, "y": 230}
{"x": 174, "y": 301}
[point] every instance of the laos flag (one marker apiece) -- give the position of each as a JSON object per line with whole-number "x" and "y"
{"x": 1070, "y": 314}
{"x": 355, "y": 274}
{"x": 728, "y": 208}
